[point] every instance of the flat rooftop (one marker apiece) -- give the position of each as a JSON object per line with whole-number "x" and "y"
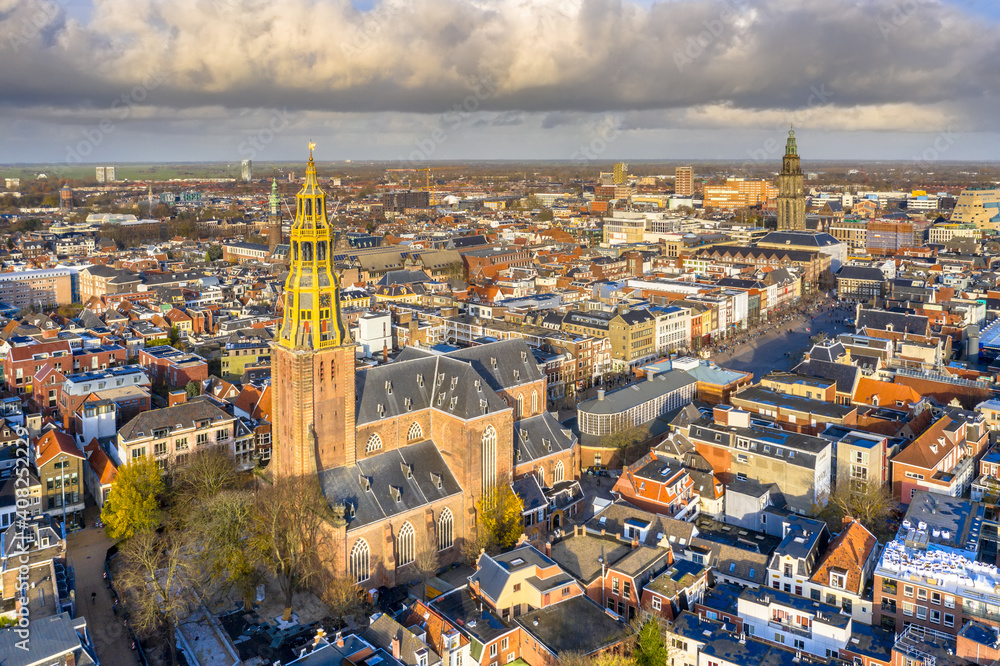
{"x": 578, "y": 624}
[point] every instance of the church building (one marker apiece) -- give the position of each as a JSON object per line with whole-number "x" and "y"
{"x": 406, "y": 449}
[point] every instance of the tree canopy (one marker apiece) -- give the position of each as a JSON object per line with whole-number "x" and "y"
{"x": 133, "y": 505}
{"x": 499, "y": 522}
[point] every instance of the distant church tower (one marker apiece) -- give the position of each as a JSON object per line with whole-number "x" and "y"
{"x": 791, "y": 193}
{"x": 313, "y": 360}
{"x": 274, "y": 219}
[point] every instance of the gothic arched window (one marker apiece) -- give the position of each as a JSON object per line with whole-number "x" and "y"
{"x": 446, "y": 530}
{"x": 406, "y": 547}
{"x": 415, "y": 432}
{"x": 360, "y": 570}
{"x": 558, "y": 473}
{"x": 489, "y": 458}
{"x": 374, "y": 443}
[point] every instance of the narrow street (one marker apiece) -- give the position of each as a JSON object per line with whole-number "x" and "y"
{"x": 87, "y": 549}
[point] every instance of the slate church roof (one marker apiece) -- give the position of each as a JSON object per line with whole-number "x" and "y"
{"x": 390, "y": 483}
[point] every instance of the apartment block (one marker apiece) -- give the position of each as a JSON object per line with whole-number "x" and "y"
{"x": 740, "y": 448}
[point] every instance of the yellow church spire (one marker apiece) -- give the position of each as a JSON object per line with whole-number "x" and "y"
{"x": 312, "y": 292}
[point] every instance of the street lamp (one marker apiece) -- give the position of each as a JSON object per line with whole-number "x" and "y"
{"x": 62, "y": 487}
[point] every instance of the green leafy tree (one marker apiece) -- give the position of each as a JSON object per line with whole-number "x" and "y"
{"x": 499, "y": 522}
{"x": 649, "y": 647}
{"x": 174, "y": 337}
{"x": 133, "y": 505}
{"x": 214, "y": 253}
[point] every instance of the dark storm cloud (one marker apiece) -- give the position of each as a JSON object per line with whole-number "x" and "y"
{"x": 671, "y": 64}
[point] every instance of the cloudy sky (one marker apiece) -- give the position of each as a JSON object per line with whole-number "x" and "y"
{"x": 419, "y": 80}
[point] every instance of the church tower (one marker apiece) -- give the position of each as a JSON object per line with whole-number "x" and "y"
{"x": 274, "y": 219}
{"x": 312, "y": 365}
{"x": 791, "y": 192}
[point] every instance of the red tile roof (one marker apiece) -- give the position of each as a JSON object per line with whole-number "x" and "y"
{"x": 847, "y": 553}
{"x": 53, "y": 443}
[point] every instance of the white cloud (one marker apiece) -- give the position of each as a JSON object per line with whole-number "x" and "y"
{"x": 672, "y": 65}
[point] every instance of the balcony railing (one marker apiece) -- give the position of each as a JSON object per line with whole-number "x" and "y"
{"x": 790, "y": 628}
{"x": 888, "y": 608}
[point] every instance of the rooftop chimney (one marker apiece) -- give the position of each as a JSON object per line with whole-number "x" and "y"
{"x": 650, "y": 374}
{"x": 600, "y": 394}
{"x": 395, "y": 646}
{"x": 176, "y": 397}
{"x": 340, "y": 639}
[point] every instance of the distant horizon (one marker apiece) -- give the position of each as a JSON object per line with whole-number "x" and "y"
{"x": 419, "y": 81}
{"x": 560, "y": 162}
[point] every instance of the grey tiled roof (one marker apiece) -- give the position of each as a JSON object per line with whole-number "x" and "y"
{"x": 861, "y": 273}
{"x": 497, "y": 362}
{"x": 51, "y": 638}
{"x": 402, "y": 277}
{"x": 530, "y": 493}
{"x": 829, "y": 353}
{"x": 900, "y": 321}
{"x": 186, "y": 415}
{"x": 435, "y": 382}
{"x": 540, "y": 436}
{"x": 736, "y": 562}
{"x": 446, "y": 378}
{"x": 845, "y": 375}
{"x": 392, "y": 491}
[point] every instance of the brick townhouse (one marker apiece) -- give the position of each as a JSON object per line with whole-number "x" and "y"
{"x": 166, "y": 365}
{"x": 22, "y": 362}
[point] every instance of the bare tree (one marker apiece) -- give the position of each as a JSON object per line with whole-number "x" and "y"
{"x": 427, "y": 565}
{"x": 290, "y": 532}
{"x": 867, "y": 501}
{"x": 156, "y": 571}
{"x": 221, "y": 528}
{"x": 575, "y": 658}
{"x": 207, "y": 474}
{"x": 343, "y": 596}
{"x": 624, "y": 441}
